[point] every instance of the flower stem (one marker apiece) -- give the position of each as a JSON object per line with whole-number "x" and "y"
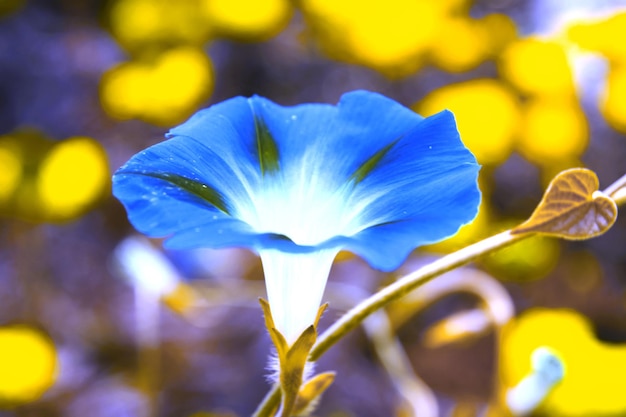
{"x": 614, "y": 189}
{"x": 413, "y": 280}
{"x": 270, "y": 403}
{"x": 407, "y": 284}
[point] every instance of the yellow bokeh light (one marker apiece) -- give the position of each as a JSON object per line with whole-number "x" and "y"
{"x": 74, "y": 174}
{"x": 28, "y": 364}
{"x": 164, "y": 91}
{"x": 501, "y": 31}
{"x": 613, "y": 102}
{"x": 388, "y": 36}
{"x": 137, "y": 23}
{"x": 594, "y": 371}
{"x": 553, "y": 130}
{"x": 247, "y": 19}
{"x": 528, "y": 260}
{"x": 10, "y": 6}
{"x": 181, "y": 299}
{"x": 468, "y": 234}
{"x": 12, "y": 167}
{"x": 487, "y": 114}
{"x": 461, "y": 45}
{"x": 537, "y": 66}
{"x": 602, "y": 36}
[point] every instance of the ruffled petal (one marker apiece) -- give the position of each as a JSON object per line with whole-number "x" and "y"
{"x": 421, "y": 190}
{"x": 177, "y": 185}
{"x": 333, "y": 141}
{"x": 367, "y": 175}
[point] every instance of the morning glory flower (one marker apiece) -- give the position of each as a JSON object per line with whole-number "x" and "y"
{"x": 298, "y": 184}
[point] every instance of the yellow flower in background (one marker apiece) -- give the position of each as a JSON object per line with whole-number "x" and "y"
{"x": 136, "y": 24}
{"x": 553, "y": 130}
{"x": 613, "y": 102}
{"x": 163, "y": 91}
{"x": 28, "y": 364}
{"x": 603, "y": 35}
{"x": 463, "y": 43}
{"x": 594, "y": 371}
{"x": 51, "y": 181}
{"x": 528, "y": 260}
{"x": 73, "y": 175}
{"x": 10, "y": 6}
{"x": 251, "y": 20}
{"x": 537, "y": 67}
{"x": 487, "y": 114}
{"x": 501, "y": 30}
{"x": 12, "y": 167}
{"x": 391, "y": 37}
{"x": 397, "y": 37}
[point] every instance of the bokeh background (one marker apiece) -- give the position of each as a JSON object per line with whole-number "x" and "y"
{"x": 537, "y": 86}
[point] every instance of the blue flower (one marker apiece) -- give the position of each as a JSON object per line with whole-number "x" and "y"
{"x": 299, "y": 184}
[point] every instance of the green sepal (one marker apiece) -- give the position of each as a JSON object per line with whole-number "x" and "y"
{"x": 277, "y": 338}
{"x": 292, "y": 369}
{"x": 311, "y": 392}
{"x": 320, "y": 312}
{"x": 292, "y": 360}
{"x": 267, "y": 314}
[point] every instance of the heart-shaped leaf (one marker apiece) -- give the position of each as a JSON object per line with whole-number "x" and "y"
{"x": 572, "y": 208}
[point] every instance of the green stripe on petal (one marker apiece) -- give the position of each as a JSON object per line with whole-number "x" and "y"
{"x": 267, "y": 149}
{"x": 203, "y": 191}
{"x": 369, "y": 165}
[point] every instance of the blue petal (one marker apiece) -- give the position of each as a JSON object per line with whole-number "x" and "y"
{"x": 335, "y": 140}
{"x": 407, "y": 180}
{"x": 422, "y": 190}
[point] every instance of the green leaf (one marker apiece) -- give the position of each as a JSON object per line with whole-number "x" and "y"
{"x": 572, "y": 208}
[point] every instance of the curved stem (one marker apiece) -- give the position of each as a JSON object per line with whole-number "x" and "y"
{"x": 418, "y": 397}
{"x": 614, "y": 188}
{"x": 619, "y": 196}
{"x": 270, "y": 403}
{"x": 407, "y": 284}
{"x": 413, "y": 280}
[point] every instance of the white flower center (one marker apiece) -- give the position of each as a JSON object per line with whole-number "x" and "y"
{"x": 306, "y": 209}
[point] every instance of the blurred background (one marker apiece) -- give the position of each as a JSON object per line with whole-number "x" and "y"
{"x": 94, "y": 323}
